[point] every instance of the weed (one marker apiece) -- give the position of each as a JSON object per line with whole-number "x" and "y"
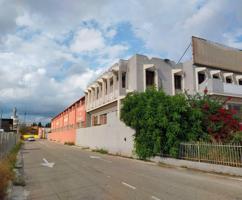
{"x": 6, "y": 169}
{"x": 69, "y": 143}
{"x": 102, "y": 151}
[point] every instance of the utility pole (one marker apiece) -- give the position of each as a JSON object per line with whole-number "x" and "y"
{"x": 1, "y": 116}
{"x": 25, "y": 117}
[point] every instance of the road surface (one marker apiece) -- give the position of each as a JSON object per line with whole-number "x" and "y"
{"x": 80, "y": 174}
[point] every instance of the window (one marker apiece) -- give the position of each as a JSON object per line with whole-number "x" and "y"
{"x": 106, "y": 87}
{"x": 228, "y": 80}
{"x": 150, "y": 78}
{"x": 178, "y": 82}
{"x": 97, "y": 92}
{"x": 94, "y": 120}
{"x": 216, "y": 76}
{"x": 240, "y": 82}
{"x": 103, "y": 119}
{"x": 123, "y": 79}
{"x": 101, "y": 88}
{"x": 201, "y": 77}
{"x": 111, "y": 84}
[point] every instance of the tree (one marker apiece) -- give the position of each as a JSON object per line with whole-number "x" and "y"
{"x": 160, "y": 121}
{"x": 48, "y": 125}
{"x": 39, "y": 124}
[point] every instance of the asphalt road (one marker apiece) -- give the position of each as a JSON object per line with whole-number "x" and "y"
{"x": 80, "y": 174}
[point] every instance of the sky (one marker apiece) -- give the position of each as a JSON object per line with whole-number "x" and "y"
{"x": 51, "y": 49}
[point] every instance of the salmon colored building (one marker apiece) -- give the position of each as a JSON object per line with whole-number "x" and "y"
{"x": 64, "y": 125}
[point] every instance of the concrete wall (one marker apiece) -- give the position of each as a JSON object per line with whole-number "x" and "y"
{"x": 136, "y": 72}
{"x": 65, "y": 135}
{"x": 109, "y": 108}
{"x": 190, "y": 78}
{"x": 115, "y": 136}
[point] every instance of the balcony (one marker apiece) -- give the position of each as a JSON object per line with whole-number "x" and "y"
{"x": 103, "y": 100}
{"x": 216, "y": 86}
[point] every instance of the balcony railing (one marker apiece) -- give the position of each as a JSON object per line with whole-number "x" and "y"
{"x": 218, "y": 86}
{"x": 103, "y": 100}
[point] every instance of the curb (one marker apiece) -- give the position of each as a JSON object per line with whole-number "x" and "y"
{"x": 16, "y": 189}
{"x": 202, "y": 166}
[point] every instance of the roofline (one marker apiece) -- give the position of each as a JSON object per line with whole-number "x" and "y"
{"x": 217, "y": 43}
{"x": 80, "y": 99}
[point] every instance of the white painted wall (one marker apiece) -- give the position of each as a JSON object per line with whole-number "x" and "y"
{"x": 110, "y": 137}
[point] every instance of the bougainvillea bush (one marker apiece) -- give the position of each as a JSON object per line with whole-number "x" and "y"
{"x": 162, "y": 122}
{"x": 220, "y": 123}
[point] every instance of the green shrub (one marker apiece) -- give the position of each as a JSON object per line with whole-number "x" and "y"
{"x": 237, "y": 137}
{"x": 161, "y": 122}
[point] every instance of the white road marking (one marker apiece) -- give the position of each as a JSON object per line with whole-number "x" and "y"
{"x": 155, "y": 198}
{"x": 47, "y": 164}
{"x": 109, "y": 176}
{"x": 95, "y": 157}
{"x": 237, "y": 179}
{"x": 130, "y": 186}
{"x": 99, "y": 158}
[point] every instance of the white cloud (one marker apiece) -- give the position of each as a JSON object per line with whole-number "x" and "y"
{"x": 47, "y": 47}
{"x": 87, "y": 40}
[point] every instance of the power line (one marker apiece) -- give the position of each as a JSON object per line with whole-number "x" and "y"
{"x": 184, "y": 53}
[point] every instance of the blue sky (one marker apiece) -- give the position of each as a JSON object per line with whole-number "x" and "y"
{"x": 51, "y": 49}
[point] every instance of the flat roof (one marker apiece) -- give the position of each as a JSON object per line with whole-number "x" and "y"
{"x": 212, "y": 54}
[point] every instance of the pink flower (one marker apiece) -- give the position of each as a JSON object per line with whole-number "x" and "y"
{"x": 205, "y": 90}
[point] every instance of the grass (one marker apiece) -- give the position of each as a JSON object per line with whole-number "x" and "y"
{"x": 6, "y": 169}
{"x": 69, "y": 143}
{"x": 102, "y": 151}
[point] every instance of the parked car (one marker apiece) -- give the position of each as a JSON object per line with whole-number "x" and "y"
{"x": 31, "y": 138}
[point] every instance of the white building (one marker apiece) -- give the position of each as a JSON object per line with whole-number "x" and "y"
{"x": 213, "y": 67}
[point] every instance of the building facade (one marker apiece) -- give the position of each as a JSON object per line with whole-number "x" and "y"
{"x": 217, "y": 69}
{"x": 64, "y": 125}
{"x": 105, "y": 94}
{"x": 213, "y": 67}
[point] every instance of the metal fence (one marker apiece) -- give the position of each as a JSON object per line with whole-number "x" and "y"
{"x": 7, "y": 141}
{"x": 224, "y": 154}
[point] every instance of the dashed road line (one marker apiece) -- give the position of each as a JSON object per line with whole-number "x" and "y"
{"x": 155, "y": 198}
{"x": 128, "y": 185}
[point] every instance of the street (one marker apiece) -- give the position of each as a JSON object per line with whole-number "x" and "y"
{"x": 80, "y": 174}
